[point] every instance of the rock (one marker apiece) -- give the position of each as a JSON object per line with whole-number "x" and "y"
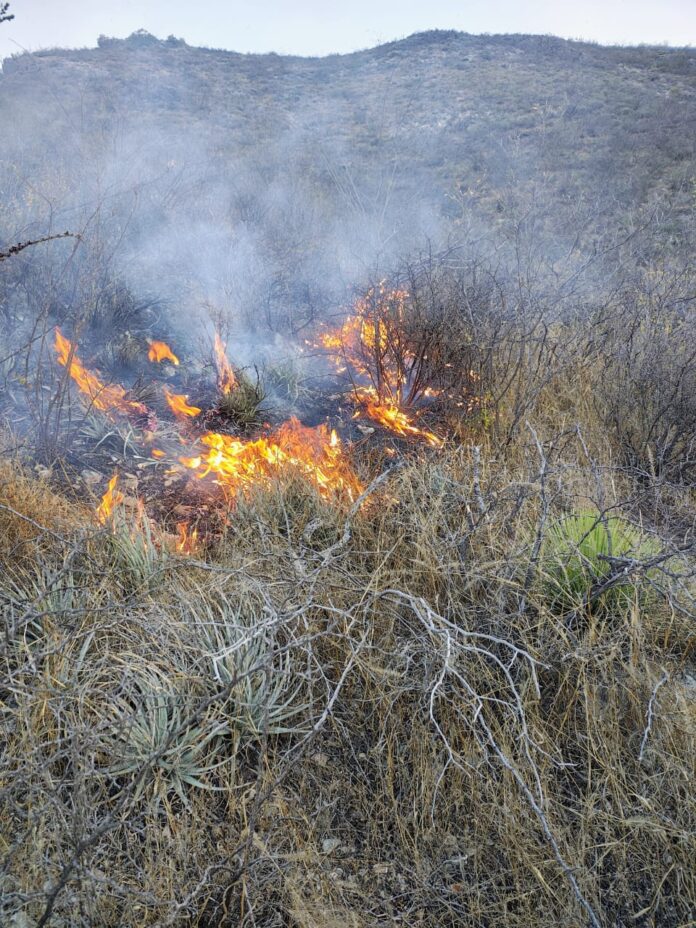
{"x": 329, "y": 845}
{"x": 91, "y": 477}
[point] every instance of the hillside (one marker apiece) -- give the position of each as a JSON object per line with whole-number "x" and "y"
{"x": 483, "y": 125}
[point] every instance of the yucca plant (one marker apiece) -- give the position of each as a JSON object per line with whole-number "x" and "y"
{"x": 266, "y": 690}
{"x": 39, "y": 598}
{"x": 99, "y": 433}
{"x": 138, "y": 555}
{"x": 150, "y": 730}
{"x": 577, "y": 559}
{"x": 244, "y": 404}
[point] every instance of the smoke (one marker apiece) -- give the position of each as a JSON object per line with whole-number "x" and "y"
{"x": 257, "y": 193}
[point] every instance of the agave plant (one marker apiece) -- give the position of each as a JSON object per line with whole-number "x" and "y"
{"x": 578, "y": 556}
{"x": 152, "y": 740}
{"x": 41, "y": 596}
{"x": 266, "y": 691}
{"x": 141, "y": 559}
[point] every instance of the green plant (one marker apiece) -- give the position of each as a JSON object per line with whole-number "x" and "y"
{"x": 137, "y": 554}
{"x": 265, "y": 695}
{"x": 577, "y": 561}
{"x": 150, "y": 730}
{"x": 99, "y": 433}
{"x": 36, "y": 600}
{"x": 244, "y": 404}
{"x": 288, "y": 380}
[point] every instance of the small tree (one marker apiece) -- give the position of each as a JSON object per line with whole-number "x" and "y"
{"x": 4, "y": 15}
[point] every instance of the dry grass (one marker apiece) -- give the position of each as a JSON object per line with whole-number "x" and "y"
{"x": 348, "y": 717}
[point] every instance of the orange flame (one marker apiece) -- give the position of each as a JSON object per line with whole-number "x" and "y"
{"x": 188, "y": 540}
{"x": 160, "y": 351}
{"x": 226, "y": 378}
{"x": 178, "y": 403}
{"x": 112, "y": 498}
{"x": 391, "y": 417}
{"x": 313, "y": 452}
{"x": 370, "y": 344}
{"x": 109, "y": 398}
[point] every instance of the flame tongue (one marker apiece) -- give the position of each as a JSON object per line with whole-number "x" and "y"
{"x": 178, "y": 403}
{"x": 109, "y": 398}
{"x": 315, "y": 453}
{"x": 187, "y": 541}
{"x": 391, "y": 417}
{"x": 112, "y": 498}
{"x": 226, "y": 378}
{"x": 160, "y": 351}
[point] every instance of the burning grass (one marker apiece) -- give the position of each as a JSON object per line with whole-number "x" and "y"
{"x": 111, "y": 399}
{"x": 314, "y": 453}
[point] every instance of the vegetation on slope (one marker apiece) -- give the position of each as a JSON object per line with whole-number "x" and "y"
{"x": 468, "y": 698}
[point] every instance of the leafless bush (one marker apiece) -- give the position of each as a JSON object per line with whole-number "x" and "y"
{"x": 646, "y": 382}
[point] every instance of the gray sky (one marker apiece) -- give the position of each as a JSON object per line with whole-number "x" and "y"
{"x": 319, "y": 27}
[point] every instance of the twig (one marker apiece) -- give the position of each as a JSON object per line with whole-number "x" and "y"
{"x": 650, "y": 714}
{"x": 20, "y": 246}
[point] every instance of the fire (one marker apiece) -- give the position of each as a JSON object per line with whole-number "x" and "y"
{"x": 160, "y": 351}
{"x": 368, "y": 340}
{"x": 112, "y": 498}
{"x": 226, "y": 378}
{"x": 315, "y": 453}
{"x": 109, "y": 398}
{"x": 179, "y": 405}
{"x": 391, "y": 417}
{"x": 188, "y": 540}
{"x": 371, "y": 346}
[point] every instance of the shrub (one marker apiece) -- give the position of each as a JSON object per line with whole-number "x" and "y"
{"x": 645, "y": 390}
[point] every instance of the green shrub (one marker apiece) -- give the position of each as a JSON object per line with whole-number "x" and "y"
{"x": 577, "y": 560}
